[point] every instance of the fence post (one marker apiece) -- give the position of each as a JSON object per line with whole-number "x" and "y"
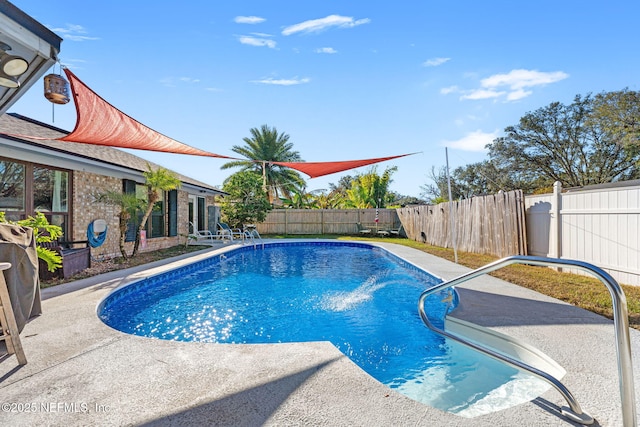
{"x": 556, "y": 221}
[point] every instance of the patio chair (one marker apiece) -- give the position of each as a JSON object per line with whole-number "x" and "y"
{"x": 200, "y": 237}
{"x": 231, "y": 233}
{"x": 397, "y": 232}
{"x": 363, "y": 230}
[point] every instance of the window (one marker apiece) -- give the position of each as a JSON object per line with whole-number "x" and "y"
{"x": 155, "y": 225}
{"x": 12, "y": 176}
{"x": 163, "y": 215}
{"x": 27, "y": 188}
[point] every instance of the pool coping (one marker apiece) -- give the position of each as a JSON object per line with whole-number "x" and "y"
{"x": 82, "y": 372}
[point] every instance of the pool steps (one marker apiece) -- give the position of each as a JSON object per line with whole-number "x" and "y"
{"x": 621, "y": 322}
{"x": 505, "y": 344}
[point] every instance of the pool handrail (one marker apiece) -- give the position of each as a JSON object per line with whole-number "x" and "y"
{"x": 250, "y": 233}
{"x": 621, "y": 324}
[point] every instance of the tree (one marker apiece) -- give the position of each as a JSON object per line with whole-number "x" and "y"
{"x": 324, "y": 200}
{"x": 370, "y": 190}
{"x": 564, "y": 143}
{"x": 619, "y": 113}
{"x": 157, "y": 181}
{"x": 485, "y": 178}
{"x": 247, "y": 203}
{"x": 400, "y": 200}
{"x": 43, "y": 233}
{"x": 299, "y": 200}
{"x": 129, "y": 206}
{"x": 266, "y": 146}
{"x": 438, "y": 191}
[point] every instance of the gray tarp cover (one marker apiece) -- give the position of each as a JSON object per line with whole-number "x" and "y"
{"x": 18, "y": 247}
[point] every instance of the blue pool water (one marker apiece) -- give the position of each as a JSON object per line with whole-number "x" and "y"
{"x": 360, "y": 298}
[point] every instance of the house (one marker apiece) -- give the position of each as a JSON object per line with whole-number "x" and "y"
{"x": 61, "y": 180}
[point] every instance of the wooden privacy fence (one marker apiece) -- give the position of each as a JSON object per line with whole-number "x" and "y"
{"x": 326, "y": 221}
{"x": 493, "y": 224}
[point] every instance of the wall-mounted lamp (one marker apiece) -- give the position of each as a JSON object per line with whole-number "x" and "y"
{"x": 11, "y": 66}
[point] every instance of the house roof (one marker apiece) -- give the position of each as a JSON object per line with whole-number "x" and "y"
{"x": 30, "y": 40}
{"x": 16, "y": 124}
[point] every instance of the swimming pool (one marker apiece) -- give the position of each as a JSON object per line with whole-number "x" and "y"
{"x": 359, "y": 297}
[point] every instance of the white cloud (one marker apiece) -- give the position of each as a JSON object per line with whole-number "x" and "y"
{"x": 450, "y": 89}
{"x": 513, "y": 85}
{"x": 520, "y": 79}
{"x": 482, "y": 94}
{"x": 282, "y": 82}
{"x": 73, "y": 32}
{"x": 434, "y": 62}
{"x": 326, "y": 50}
{"x": 317, "y": 25}
{"x": 173, "y": 81}
{"x": 257, "y": 41}
{"x": 474, "y": 141}
{"x": 518, "y": 94}
{"x": 248, "y": 19}
{"x": 167, "y": 82}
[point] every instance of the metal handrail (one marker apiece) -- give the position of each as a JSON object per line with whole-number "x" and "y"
{"x": 251, "y": 234}
{"x": 620, "y": 319}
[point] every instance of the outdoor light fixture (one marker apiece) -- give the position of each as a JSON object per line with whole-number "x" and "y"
{"x": 11, "y": 66}
{"x": 8, "y": 81}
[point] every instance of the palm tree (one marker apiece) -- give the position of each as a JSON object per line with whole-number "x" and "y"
{"x": 129, "y": 205}
{"x": 157, "y": 181}
{"x": 266, "y": 146}
{"x": 370, "y": 190}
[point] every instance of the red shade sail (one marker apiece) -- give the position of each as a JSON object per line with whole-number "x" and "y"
{"x": 316, "y": 169}
{"x": 100, "y": 123}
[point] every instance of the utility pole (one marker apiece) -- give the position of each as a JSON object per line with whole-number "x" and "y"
{"x": 453, "y": 223}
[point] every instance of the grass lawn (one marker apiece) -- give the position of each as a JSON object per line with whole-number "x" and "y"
{"x": 582, "y": 291}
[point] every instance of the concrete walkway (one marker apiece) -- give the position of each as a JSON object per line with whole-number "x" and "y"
{"x": 83, "y": 373}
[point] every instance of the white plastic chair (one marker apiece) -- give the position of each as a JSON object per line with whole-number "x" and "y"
{"x": 229, "y": 232}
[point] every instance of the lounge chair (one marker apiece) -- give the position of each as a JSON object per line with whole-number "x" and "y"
{"x": 363, "y": 230}
{"x": 201, "y": 237}
{"x": 228, "y": 232}
{"x": 397, "y": 232}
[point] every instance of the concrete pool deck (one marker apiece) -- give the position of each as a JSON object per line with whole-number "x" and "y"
{"x": 81, "y": 372}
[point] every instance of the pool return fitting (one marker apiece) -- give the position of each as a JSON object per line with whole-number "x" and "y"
{"x": 620, "y": 320}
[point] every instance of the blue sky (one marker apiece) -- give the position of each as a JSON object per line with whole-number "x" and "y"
{"x": 346, "y": 80}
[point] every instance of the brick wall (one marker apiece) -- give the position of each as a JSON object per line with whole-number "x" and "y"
{"x": 86, "y": 210}
{"x": 183, "y": 214}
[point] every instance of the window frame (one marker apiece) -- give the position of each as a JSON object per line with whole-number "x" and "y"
{"x": 29, "y": 195}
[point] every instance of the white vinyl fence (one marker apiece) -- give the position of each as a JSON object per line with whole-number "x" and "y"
{"x": 599, "y": 225}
